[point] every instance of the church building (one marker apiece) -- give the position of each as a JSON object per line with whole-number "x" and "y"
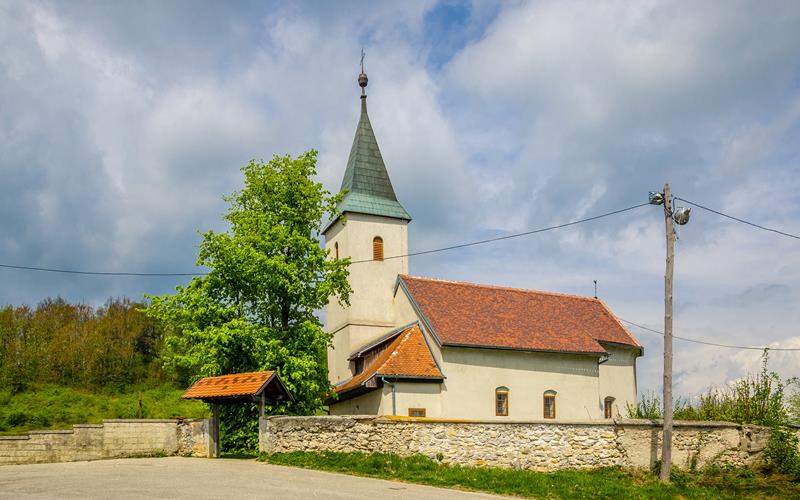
{"x": 425, "y": 347}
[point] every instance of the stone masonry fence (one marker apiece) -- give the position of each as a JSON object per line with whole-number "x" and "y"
{"x": 111, "y": 439}
{"x": 535, "y": 445}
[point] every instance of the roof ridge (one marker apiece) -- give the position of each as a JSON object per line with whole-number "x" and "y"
{"x": 240, "y": 374}
{"x": 503, "y": 287}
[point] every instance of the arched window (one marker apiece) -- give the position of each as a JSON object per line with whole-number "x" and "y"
{"x": 377, "y": 248}
{"x": 336, "y": 250}
{"x": 549, "y": 404}
{"x": 608, "y": 407}
{"x": 501, "y": 401}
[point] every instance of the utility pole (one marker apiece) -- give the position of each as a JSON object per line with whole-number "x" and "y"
{"x": 680, "y": 217}
{"x": 666, "y": 446}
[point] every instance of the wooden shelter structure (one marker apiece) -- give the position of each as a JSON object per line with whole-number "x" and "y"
{"x": 260, "y": 387}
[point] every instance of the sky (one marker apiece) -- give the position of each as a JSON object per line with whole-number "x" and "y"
{"x": 123, "y": 124}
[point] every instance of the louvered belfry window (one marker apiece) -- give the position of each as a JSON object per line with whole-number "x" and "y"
{"x": 377, "y": 248}
{"x": 336, "y": 249}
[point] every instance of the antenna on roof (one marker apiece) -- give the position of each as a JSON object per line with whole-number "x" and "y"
{"x": 595, "y": 288}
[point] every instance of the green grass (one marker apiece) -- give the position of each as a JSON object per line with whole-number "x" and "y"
{"x": 600, "y": 483}
{"x": 57, "y": 407}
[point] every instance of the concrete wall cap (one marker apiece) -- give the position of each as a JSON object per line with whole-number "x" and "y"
{"x": 87, "y": 426}
{"x": 14, "y": 438}
{"x": 397, "y": 419}
{"x": 140, "y": 421}
{"x": 53, "y": 431}
{"x": 320, "y": 418}
{"x": 676, "y": 423}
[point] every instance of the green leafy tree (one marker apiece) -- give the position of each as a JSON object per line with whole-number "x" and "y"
{"x": 77, "y": 345}
{"x": 267, "y": 276}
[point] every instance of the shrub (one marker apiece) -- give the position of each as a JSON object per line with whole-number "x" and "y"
{"x": 781, "y": 453}
{"x": 758, "y": 399}
{"x": 648, "y": 407}
{"x": 239, "y": 428}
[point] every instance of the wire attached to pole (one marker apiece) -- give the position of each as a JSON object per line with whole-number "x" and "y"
{"x": 713, "y": 344}
{"x": 737, "y": 219}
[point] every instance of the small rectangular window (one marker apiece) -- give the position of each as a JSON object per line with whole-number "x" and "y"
{"x": 416, "y": 412}
{"x": 608, "y": 407}
{"x": 549, "y": 406}
{"x": 501, "y": 404}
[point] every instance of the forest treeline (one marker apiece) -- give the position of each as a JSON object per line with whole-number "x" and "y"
{"x": 77, "y": 345}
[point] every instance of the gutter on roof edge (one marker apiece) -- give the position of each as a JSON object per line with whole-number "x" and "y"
{"x": 620, "y": 344}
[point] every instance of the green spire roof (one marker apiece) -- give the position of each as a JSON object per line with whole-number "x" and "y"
{"x": 369, "y": 189}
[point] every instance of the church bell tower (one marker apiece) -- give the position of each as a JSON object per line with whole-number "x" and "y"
{"x": 371, "y": 229}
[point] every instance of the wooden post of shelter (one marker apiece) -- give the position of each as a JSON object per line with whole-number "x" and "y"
{"x": 214, "y": 431}
{"x": 262, "y": 405}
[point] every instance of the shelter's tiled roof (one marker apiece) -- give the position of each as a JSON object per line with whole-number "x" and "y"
{"x": 224, "y": 386}
{"x": 408, "y": 356}
{"x": 491, "y": 316}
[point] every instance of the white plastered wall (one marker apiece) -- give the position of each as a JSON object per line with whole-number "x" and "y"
{"x": 618, "y": 378}
{"x": 474, "y": 374}
{"x": 371, "y": 403}
{"x": 371, "y": 312}
{"x": 408, "y": 395}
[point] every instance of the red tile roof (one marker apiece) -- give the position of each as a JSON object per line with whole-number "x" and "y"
{"x": 225, "y": 386}
{"x": 408, "y": 356}
{"x": 483, "y": 315}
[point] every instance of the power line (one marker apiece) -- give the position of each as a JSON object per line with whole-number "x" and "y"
{"x": 739, "y": 220}
{"x": 509, "y": 236}
{"x": 754, "y": 348}
{"x": 94, "y": 273}
{"x": 454, "y": 247}
{"x": 423, "y": 252}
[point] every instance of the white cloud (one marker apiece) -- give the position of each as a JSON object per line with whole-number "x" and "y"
{"x": 120, "y": 135}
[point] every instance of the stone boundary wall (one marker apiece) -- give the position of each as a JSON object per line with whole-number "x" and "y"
{"x": 111, "y": 439}
{"x": 536, "y": 445}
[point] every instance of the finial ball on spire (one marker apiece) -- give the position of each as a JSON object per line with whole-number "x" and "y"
{"x": 362, "y": 77}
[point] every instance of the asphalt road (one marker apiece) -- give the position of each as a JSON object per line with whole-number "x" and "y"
{"x": 177, "y": 477}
